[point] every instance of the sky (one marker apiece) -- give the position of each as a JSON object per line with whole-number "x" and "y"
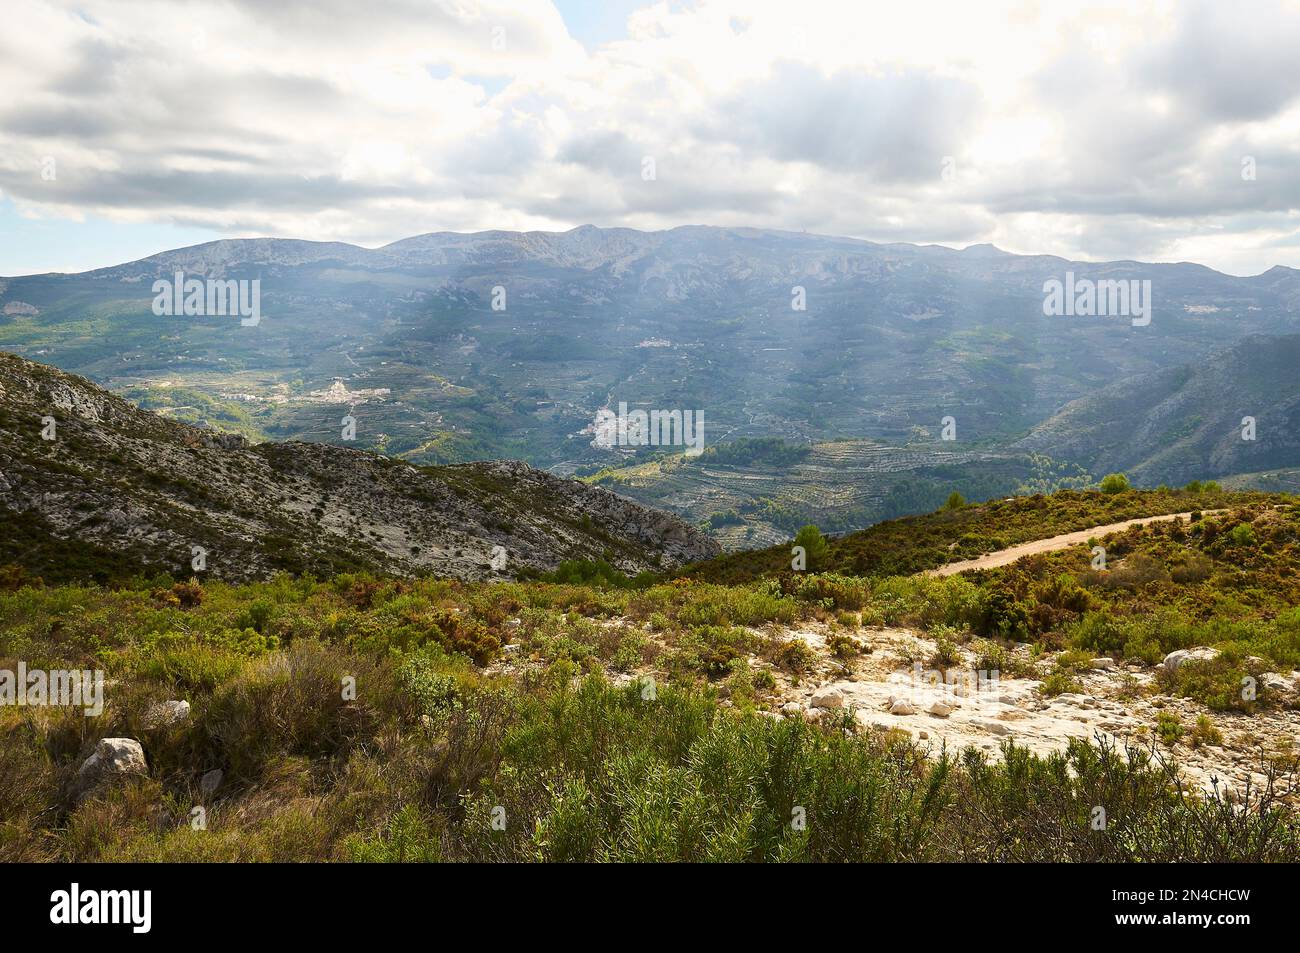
{"x": 1158, "y": 131}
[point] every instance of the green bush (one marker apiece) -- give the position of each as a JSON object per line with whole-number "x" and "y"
{"x": 1113, "y": 483}
{"x": 814, "y": 545}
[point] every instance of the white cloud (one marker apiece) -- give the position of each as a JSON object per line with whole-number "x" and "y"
{"x": 1090, "y": 130}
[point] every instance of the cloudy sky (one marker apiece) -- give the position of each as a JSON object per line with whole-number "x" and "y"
{"x": 1091, "y": 130}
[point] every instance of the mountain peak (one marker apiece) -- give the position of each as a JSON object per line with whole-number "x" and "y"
{"x": 984, "y": 250}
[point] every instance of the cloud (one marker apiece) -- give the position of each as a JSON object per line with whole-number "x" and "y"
{"x": 891, "y": 127}
{"x": 1100, "y": 129}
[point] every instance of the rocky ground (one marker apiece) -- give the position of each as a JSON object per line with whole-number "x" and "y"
{"x": 891, "y": 686}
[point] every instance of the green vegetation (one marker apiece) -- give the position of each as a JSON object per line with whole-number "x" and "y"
{"x": 916, "y": 543}
{"x": 1115, "y": 483}
{"x": 814, "y": 546}
{"x": 748, "y": 451}
{"x": 436, "y": 759}
{"x": 516, "y": 720}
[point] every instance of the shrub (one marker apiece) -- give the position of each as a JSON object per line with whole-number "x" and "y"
{"x": 1205, "y": 733}
{"x": 832, "y": 590}
{"x": 1169, "y": 728}
{"x": 455, "y": 633}
{"x": 844, "y": 646}
{"x": 1058, "y": 682}
{"x": 1243, "y": 534}
{"x": 946, "y": 654}
{"x": 1113, "y": 483}
{"x": 990, "y": 657}
{"x": 581, "y": 572}
{"x": 814, "y": 545}
{"x": 793, "y": 655}
{"x": 1217, "y": 683}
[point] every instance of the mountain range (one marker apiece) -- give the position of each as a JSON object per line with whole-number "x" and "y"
{"x": 448, "y": 348}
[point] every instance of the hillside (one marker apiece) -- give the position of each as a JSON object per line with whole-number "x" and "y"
{"x": 927, "y": 541}
{"x": 119, "y": 490}
{"x": 980, "y": 717}
{"x": 1185, "y": 422}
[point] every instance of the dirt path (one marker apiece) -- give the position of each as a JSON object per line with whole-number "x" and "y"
{"x": 1004, "y": 556}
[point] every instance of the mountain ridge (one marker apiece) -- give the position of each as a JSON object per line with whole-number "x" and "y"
{"x": 83, "y": 472}
{"x": 423, "y": 241}
{"x": 1187, "y": 422}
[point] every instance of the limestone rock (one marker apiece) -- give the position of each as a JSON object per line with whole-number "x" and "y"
{"x": 114, "y": 758}
{"x": 1174, "y": 660}
{"x": 827, "y": 697}
{"x": 168, "y": 713}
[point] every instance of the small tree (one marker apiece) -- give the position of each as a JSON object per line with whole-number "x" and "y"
{"x": 1114, "y": 483}
{"x": 813, "y": 543}
{"x": 955, "y": 501}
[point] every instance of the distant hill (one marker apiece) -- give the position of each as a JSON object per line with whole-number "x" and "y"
{"x": 1184, "y": 423}
{"x": 119, "y": 491}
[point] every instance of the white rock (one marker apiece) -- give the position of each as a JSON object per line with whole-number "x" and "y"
{"x": 902, "y": 706}
{"x": 827, "y": 697}
{"x": 792, "y": 710}
{"x": 168, "y": 713}
{"x": 1104, "y": 662}
{"x": 113, "y": 758}
{"x": 1275, "y": 682}
{"x": 1175, "y": 659}
{"x": 940, "y": 708}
